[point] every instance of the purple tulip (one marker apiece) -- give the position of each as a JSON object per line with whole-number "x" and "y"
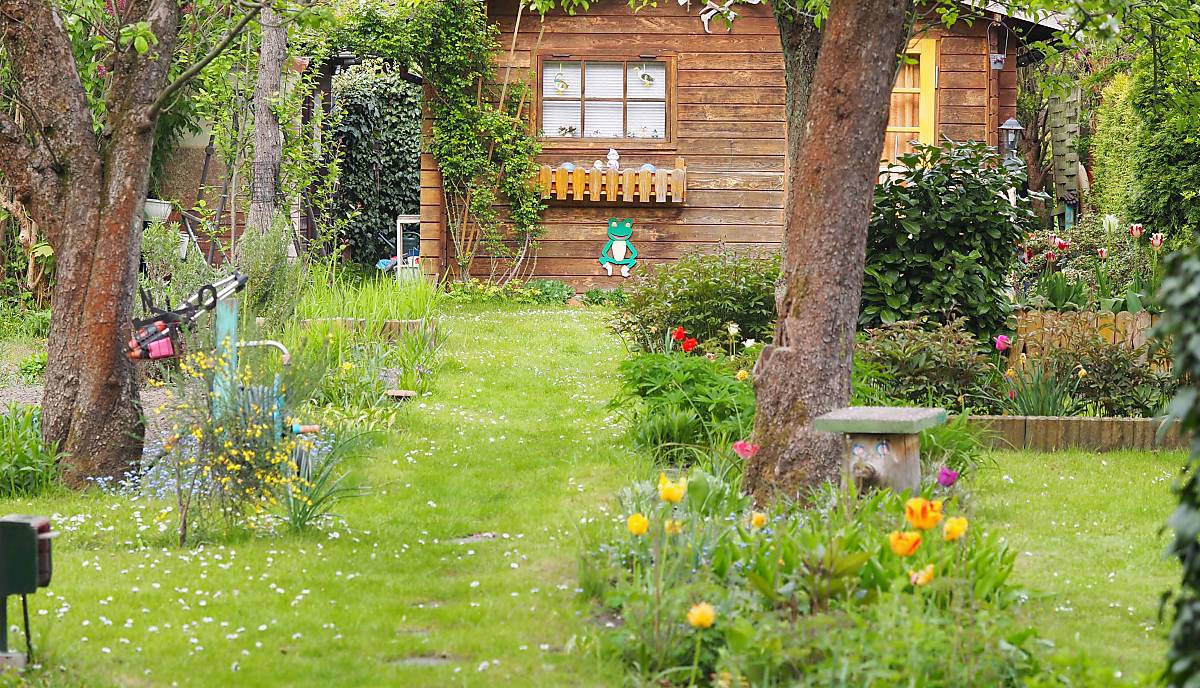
{"x": 947, "y": 477}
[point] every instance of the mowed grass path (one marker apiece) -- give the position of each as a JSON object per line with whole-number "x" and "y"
{"x": 515, "y": 443}
{"x": 1086, "y": 528}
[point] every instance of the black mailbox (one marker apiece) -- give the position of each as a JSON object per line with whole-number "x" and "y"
{"x": 25, "y": 560}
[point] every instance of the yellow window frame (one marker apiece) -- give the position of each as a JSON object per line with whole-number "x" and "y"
{"x": 925, "y": 50}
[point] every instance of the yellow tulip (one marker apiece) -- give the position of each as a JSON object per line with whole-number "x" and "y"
{"x": 671, "y": 491}
{"x": 922, "y": 513}
{"x": 742, "y": 375}
{"x": 673, "y": 527}
{"x": 1082, "y": 372}
{"x": 922, "y": 577}
{"x": 904, "y": 544}
{"x": 702, "y": 615}
{"x": 758, "y": 519}
{"x": 637, "y": 524}
{"x": 954, "y": 529}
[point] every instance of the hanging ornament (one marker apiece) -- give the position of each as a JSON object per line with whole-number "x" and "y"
{"x": 560, "y": 84}
{"x": 645, "y": 76}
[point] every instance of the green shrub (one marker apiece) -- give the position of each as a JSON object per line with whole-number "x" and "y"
{"x": 926, "y": 364}
{"x": 702, "y": 294}
{"x": 1168, "y": 169}
{"x": 28, "y": 466}
{"x": 942, "y": 237}
{"x": 1117, "y": 381}
{"x": 1115, "y": 150}
{"x": 549, "y": 291}
{"x": 540, "y": 291}
{"x": 605, "y": 297}
{"x": 379, "y": 132}
{"x": 20, "y": 323}
{"x": 32, "y": 368}
{"x": 274, "y": 282}
{"x": 681, "y": 403}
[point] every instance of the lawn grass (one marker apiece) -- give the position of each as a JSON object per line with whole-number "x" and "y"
{"x": 1087, "y": 531}
{"x": 515, "y": 441}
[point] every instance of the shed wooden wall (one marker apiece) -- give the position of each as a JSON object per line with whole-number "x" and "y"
{"x": 730, "y": 131}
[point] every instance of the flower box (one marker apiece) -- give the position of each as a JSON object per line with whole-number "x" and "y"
{"x": 647, "y": 184}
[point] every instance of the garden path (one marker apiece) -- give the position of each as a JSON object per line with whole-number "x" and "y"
{"x": 457, "y": 569}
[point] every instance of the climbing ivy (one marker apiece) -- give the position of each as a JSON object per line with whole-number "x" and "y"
{"x": 481, "y": 137}
{"x": 1181, "y": 322}
{"x": 379, "y": 133}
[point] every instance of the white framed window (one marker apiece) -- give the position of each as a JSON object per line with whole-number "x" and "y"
{"x": 604, "y": 98}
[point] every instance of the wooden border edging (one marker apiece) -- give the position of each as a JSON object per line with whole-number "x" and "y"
{"x": 1053, "y": 433}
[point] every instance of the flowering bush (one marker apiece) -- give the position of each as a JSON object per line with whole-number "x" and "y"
{"x": 702, "y": 293}
{"x": 230, "y": 456}
{"x": 705, "y": 585}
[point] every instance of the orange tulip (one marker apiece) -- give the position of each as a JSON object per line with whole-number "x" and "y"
{"x": 904, "y": 544}
{"x": 954, "y": 529}
{"x": 922, "y": 513}
{"x": 922, "y": 577}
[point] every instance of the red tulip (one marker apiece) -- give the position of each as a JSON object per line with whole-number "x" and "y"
{"x": 1050, "y": 257}
{"x": 1136, "y": 230}
{"x": 689, "y": 344}
{"x": 1103, "y": 253}
{"x": 1061, "y": 244}
{"x": 679, "y": 334}
{"x": 1156, "y": 240}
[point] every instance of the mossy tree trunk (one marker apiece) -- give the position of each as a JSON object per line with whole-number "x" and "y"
{"x": 839, "y": 86}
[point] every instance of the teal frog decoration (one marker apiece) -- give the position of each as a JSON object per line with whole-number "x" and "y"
{"x": 619, "y": 250}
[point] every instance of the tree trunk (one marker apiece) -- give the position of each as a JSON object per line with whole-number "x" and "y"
{"x": 86, "y": 193}
{"x": 835, "y": 139}
{"x": 268, "y": 131}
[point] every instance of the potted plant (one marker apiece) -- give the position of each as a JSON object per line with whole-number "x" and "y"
{"x": 156, "y": 210}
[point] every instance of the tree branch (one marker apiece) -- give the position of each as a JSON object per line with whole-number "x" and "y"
{"x": 191, "y": 73}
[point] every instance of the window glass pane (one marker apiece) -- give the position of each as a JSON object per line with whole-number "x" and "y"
{"x": 604, "y": 120}
{"x": 560, "y": 79}
{"x": 605, "y": 80}
{"x": 560, "y": 118}
{"x": 647, "y": 80}
{"x": 910, "y": 74}
{"x": 647, "y": 120}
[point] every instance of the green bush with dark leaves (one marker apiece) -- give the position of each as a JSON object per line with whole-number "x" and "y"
{"x": 925, "y": 363}
{"x": 380, "y": 135}
{"x": 943, "y": 236}
{"x": 703, "y": 294}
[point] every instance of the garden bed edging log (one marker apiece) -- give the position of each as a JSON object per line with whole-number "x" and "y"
{"x": 1056, "y": 433}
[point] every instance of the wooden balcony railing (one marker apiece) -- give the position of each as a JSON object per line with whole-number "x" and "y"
{"x": 662, "y": 185}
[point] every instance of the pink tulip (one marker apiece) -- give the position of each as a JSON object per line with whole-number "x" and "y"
{"x": 1103, "y": 253}
{"x": 745, "y": 449}
{"x": 1012, "y": 394}
{"x": 1136, "y": 230}
{"x": 1003, "y": 342}
{"x": 1156, "y": 240}
{"x": 947, "y": 477}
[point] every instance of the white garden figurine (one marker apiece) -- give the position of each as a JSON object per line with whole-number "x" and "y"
{"x": 614, "y": 159}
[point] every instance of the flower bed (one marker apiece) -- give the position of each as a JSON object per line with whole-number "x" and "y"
{"x": 1039, "y": 331}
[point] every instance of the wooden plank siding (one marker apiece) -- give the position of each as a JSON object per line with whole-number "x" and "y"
{"x": 725, "y": 119}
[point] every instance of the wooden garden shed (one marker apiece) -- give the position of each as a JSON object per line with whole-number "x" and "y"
{"x": 697, "y": 119}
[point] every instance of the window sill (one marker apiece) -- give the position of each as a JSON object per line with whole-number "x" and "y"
{"x": 558, "y": 144}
